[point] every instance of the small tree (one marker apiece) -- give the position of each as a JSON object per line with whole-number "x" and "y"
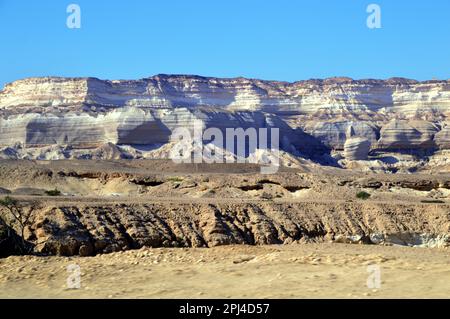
{"x": 18, "y": 217}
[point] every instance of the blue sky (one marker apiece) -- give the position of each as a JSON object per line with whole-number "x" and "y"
{"x": 276, "y": 40}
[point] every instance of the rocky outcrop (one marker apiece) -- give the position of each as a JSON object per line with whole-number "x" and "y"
{"x": 121, "y": 126}
{"x": 442, "y": 138}
{"x": 408, "y": 135}
{"x": 87, "y": 230}
{"x": 333, "y": 134}
{"x": 356, "y": 149}
{"x": 324, "y": 98}
{"x": 312, "y": 115}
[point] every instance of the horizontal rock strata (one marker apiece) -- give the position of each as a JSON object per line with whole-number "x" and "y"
{"x": 356, "y": 149}
{"x": 391, "y": 114}
{"x": 92, "y": 229}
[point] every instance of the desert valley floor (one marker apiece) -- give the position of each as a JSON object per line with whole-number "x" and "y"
{"x": 293, "y": 271}
{"x": 150, "y": 228}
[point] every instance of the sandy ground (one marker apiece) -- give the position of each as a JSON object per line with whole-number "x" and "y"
{"x": 290, "y": 271}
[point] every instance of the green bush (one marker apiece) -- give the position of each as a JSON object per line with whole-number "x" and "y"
{"x": 363, "y": 195}
{"x": 53, "y": 192}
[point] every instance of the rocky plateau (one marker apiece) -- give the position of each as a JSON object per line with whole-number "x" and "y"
{"x": 396, "y": 123}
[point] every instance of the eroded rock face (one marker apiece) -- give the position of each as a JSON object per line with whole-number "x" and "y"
{"x": 334, "y": 134}
{"x": 334, "y": 96}
{"x": 408, "y": 134}
{"x": 442, "y": 138}
{"x": 88, "y": 112}
{"x": 87, "y": 230}
{"x": 356, "y": 149}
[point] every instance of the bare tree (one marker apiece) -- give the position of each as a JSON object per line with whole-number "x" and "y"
{"x": 18, "y": 217}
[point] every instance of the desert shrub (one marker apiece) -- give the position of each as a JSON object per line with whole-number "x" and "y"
{"x": 363, "y": 195}
{"x": 53, "y": 192}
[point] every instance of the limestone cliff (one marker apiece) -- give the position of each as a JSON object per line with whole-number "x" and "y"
{"x": 312, "y": 115}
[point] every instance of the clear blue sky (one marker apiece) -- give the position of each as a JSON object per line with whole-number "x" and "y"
{"x": 275, "y": 40}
